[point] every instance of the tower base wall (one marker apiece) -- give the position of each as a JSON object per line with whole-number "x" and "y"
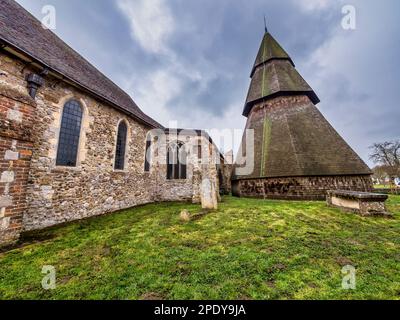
{"x": 299, "y": 188}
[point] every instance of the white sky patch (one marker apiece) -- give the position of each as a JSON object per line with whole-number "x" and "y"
{"x": 153, "y": 93}
{"x": 313, "y": 5}
{"x": 151, "y": 23}
{"x": 233, "y": 123}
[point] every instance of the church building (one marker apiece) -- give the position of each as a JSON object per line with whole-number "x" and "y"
{"x": 296, "y": 154}
{"x": 74, "y": 145}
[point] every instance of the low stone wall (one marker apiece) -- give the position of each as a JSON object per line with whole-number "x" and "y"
{"x": 299, "y": 188}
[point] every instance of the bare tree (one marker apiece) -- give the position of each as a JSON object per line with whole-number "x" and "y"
{"x": 387, "y": 154}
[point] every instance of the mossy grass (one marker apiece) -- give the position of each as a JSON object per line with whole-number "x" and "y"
{"x": 247, "y": 249}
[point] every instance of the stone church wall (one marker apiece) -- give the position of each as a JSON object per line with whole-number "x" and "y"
{"x": 226, "y": 173}
{"x": 35, "y": 193}
{"x": 59, "y": 194}
{"x": 198, "y": 167}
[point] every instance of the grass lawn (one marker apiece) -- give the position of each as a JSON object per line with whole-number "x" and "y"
{"x": 382, "y": 186}
{"x": 248, "y": 249}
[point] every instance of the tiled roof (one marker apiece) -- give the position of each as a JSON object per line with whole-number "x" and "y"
{"x": 24, "y": 32}
{"x": 270, "y": 49}
{"x": 291, "y": 136}
{"x": 293, "y": 139}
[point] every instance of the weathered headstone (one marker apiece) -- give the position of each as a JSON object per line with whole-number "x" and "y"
{"x": 209, "y": 198}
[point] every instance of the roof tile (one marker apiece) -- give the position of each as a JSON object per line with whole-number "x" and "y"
{"x": 24, "y": 32}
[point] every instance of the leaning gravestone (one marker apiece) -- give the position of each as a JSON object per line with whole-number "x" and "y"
{"x": 208, "y": 192}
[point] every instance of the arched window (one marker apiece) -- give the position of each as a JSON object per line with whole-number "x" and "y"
{"x": 176, "y": 161}
{"x": 147, "y": 159}
{"x": 121, "y": 146}
{"x": 70, "y": 131}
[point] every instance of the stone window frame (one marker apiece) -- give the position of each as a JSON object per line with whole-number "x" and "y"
{"x": 127, "y": 145}
{"x": 85, "y": 127}
{"x": 147, "y": 146}
{"x": 69, "y": 136}
{"x": 182, "y": 145}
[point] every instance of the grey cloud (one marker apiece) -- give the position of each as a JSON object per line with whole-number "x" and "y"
{"x": 218, "y": 40}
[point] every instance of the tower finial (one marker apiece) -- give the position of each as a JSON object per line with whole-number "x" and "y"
{"x": 265, "y": 23}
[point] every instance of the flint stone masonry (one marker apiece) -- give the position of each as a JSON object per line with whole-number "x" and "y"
{"x": 226, "y": 173}
{"x": 197, "y": 168}
{"x": 209, "y": 198}
{"x": 298, "y": 188}
{"x": 4, "y": 224}
{"x": 293, "y": 139}
{"x": 44, "y": 194}
{"x": 364, "y": 203}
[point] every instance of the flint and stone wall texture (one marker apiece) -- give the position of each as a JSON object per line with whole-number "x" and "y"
{"x": 199, "y": 167}
{"x": 35, "y": 193}
{"x": 60, "y": 194}
{"x": 226, "y": 173}
{"x": 299, "y": 188}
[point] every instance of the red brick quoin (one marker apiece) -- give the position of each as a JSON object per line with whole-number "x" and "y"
{"x": 16, "y": 118}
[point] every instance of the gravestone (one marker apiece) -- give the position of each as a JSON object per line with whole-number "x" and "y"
{"x": 208, "y": 192}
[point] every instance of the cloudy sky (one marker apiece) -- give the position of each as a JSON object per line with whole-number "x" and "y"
{"x": 190, "y": 61}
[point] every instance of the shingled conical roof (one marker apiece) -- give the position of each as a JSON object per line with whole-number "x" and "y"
{"x": 291, "y": 136}
{"x": 274, "y": 74}
{"x": 270, "y": 49}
